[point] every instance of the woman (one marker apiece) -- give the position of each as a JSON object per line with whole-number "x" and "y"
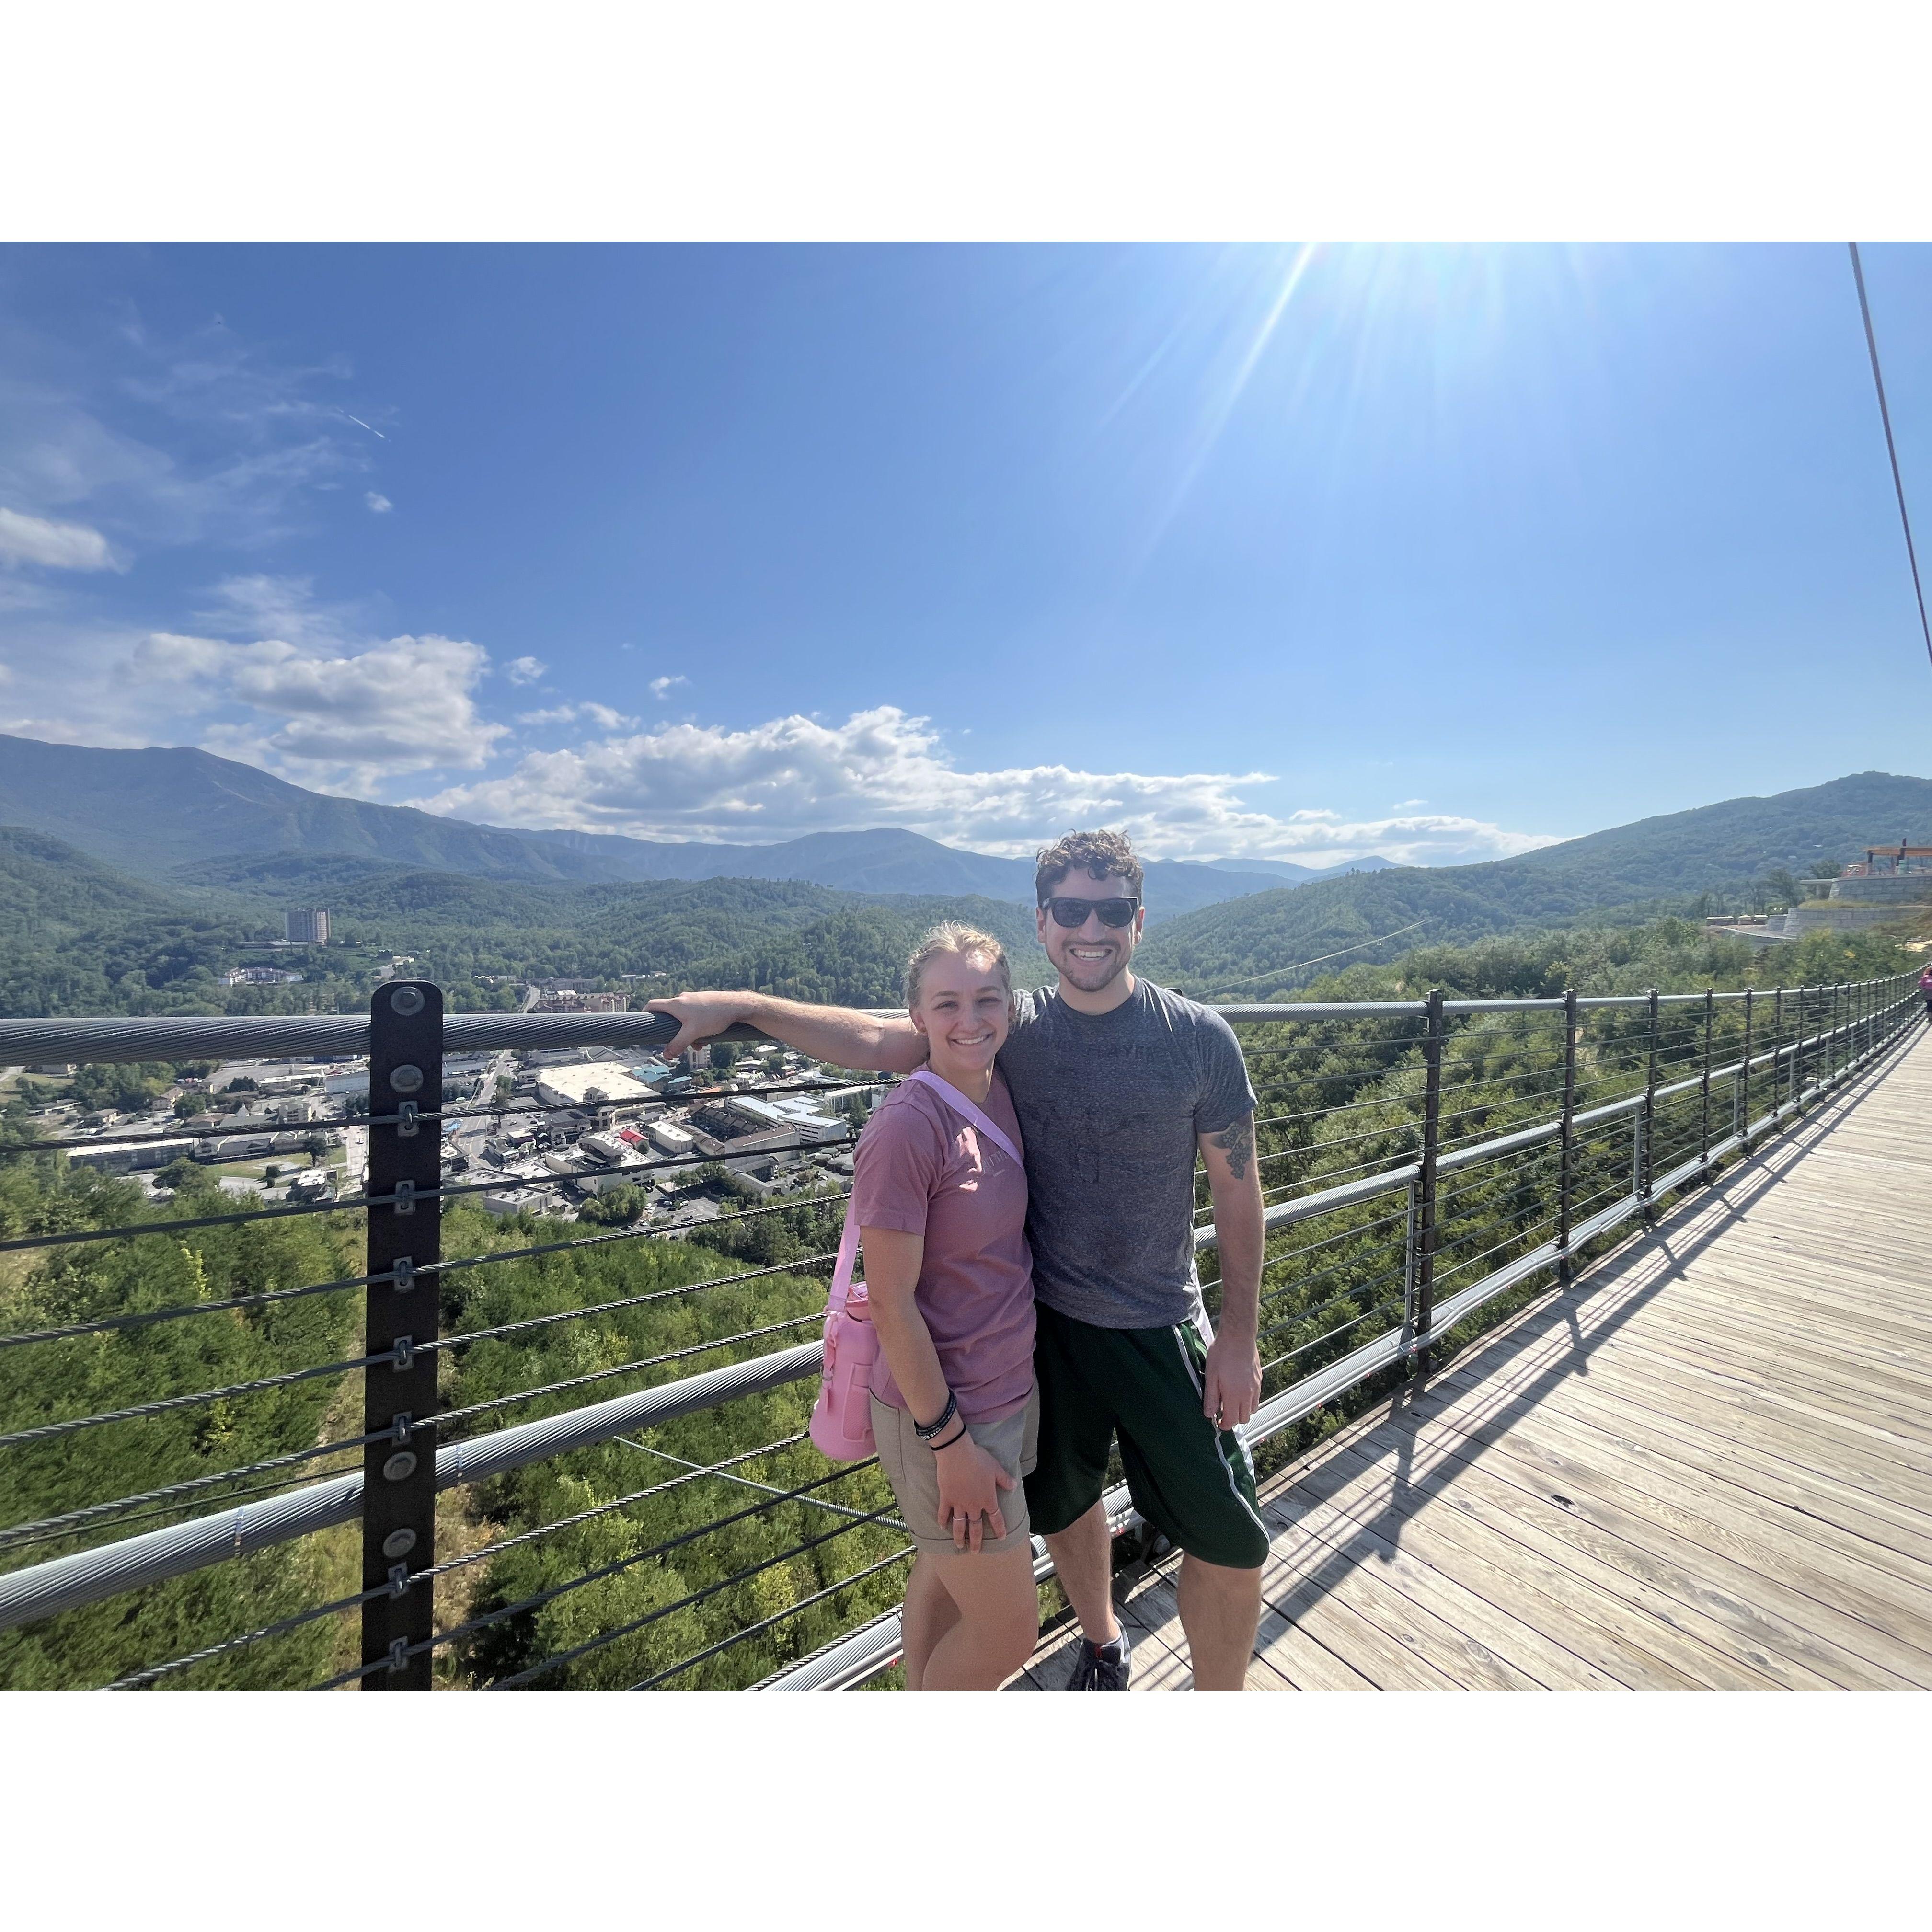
{"x": 939, "y": 1192}
{"x": 1925, "y": 992}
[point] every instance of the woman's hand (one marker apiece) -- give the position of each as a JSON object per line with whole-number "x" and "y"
{"x": 970, "y": 1482}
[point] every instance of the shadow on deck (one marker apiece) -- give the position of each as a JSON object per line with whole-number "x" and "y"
{"x": 1708, "y": 1466}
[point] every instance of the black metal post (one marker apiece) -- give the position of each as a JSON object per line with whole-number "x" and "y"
{"x": 1425, "y": 1201}
{"x": 1742, "y": 1128}
{"x": 1791, "y": 1058}
{"x": 1776, "y": 1051}
{"x": 1566, "y": 1183}
{"x": 1704, "y": 1130}
{"x": 1646, "y": 1162}
{"x": 399, "y": 1472}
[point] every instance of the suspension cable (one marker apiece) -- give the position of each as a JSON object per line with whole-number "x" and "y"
{"x": 1891, "y": 448}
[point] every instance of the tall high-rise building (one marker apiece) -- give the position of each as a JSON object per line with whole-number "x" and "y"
{"x": 307, "y": 926}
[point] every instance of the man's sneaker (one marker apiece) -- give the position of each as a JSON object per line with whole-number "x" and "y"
{"x": 1102, "y": 1666}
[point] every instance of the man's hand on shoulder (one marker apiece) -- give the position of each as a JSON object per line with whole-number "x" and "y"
{"x": 700, "y": 1016}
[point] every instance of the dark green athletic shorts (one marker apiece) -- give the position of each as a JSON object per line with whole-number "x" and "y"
{"x": 1195, "y": 1482}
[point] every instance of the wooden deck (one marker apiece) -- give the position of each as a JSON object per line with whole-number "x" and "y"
{"x": 1709, "y": 1467}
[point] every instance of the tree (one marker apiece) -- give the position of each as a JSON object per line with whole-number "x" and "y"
{"x": 616, "y": 1209}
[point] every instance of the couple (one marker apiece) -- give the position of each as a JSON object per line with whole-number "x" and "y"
{"x": 1028, "y": 1314}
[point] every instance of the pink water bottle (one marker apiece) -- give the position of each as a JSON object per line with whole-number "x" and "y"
{"x": 842, "y": 1419}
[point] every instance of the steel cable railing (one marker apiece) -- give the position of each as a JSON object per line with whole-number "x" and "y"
{"x": 1652, "y": 1092}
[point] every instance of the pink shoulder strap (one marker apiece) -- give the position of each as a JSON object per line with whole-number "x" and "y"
{"x": 960, "y": 1104}
{"x": 848, "y": 1253}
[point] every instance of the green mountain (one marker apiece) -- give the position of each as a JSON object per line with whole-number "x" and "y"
{"x": 158, "y": 810}
{"x": 78, "y": 937}
{"x": 1281, "y": 938}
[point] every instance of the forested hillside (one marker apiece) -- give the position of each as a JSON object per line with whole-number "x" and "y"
{"x": 82, "y": 938}
{"x": 1279, "y": 939}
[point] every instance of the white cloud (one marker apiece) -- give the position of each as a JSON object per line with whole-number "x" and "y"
{"x": 525, "y": 670}
{"x": 661, "y": 688}
{"x": 377, "y": 501}
{"x": 325, "y": 708}
{"x": 796, "y": 775}
{"x": 24, "y": 539}
{"x": 601, "y": 716}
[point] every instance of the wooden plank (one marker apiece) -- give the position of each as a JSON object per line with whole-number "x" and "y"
{"x": 1464, "y": 1472}
{"x": 1794, "y": 1550}
{"x": 1497, "y": 1613}
{"x": 1306, "y": 1664}
{"x": 1902, "y": 1547}
{"x": 1336, "y": 1572}
{"x": 1814, "y": 1448}
{"x": 1606, "y": 1624}
{"x": 1845, "y": 1638}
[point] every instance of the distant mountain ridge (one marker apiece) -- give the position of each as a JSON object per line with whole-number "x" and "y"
{"x": 161, "y": 810}
{"x": 1257, "y": 944}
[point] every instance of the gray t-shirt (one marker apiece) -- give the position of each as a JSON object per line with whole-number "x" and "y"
{"x": 1109, "y": 1105}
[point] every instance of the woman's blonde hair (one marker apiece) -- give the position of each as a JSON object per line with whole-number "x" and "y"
{"x": 951, "y": 936}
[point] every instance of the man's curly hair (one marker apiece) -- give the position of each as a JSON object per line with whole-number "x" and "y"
{"x": 1100, "y": 855}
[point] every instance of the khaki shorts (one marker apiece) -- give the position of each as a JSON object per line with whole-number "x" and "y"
{"x": 913, "y": 1470}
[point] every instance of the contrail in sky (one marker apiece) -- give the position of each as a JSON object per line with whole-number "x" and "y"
{"x": 361, "y": 425}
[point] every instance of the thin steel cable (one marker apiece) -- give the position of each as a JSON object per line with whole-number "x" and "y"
{"x": 779, "y": 1617}
{"x": 663, "y": 1610}
{"x": 537, "y": 1600}
{"x": 48, "y": 1430}
{"x": 1359, "y": 947}
{"x": 13, "y": 1537}
{"x": 1891, "y": 447}
{"x": 606, "y": 1375}
{"x": 140, "y": 1679}
{"x": 1367, "y": 1315}
{"x": 767, "y": 1489}
{"x": 262, "y": 1299}
{"x": 635, "y": 1234}
{"x": 459, "y": 1341}
{"x": 487, "y": 1551}
{"x": 107, "y": 1137}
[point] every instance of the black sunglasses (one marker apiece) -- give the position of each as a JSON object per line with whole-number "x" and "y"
{"x": 1072, "y": 913}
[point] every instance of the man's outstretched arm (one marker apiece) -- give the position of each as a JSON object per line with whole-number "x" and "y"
{"x": 1234, "y": 1375}
{"x": 839, "y": 1035}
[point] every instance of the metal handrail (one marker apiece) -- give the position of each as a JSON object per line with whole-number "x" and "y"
{"x": 90, "y": 1575}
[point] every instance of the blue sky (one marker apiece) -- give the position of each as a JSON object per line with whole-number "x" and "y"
{"x": 1437, "y": 552}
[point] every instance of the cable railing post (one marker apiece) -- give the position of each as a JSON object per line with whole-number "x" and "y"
{"x": 1741, "y": 1097}
{"x": 1566, "y": 1156}
{"x": 1409, "y": 1276}
{"x": 1426, "y": 1204}
{"x": 1646, "y": 1131}
{"x": 1776, "y": 1051}
{"x": 399, "y": 1472}
{"x": 1704, "y": 1125}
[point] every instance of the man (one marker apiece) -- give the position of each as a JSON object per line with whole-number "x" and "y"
{"x": 1118, "y": 1083}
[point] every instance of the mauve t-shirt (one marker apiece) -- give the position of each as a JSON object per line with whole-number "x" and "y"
{"x": 920, "y": 1168}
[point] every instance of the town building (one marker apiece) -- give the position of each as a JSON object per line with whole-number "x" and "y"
{"x": 588, "y": 1082}
{"x": 124, "y": 1156}
{"x": 306, "y": 926}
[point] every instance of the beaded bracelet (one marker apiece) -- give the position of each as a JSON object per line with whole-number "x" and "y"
{"x": 926, "y": 1431}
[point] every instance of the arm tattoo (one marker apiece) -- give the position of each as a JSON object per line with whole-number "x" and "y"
{"x": 1237, "y": 1144}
